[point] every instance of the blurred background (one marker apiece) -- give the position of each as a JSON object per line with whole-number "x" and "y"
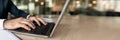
{"x": 76, "y": 7}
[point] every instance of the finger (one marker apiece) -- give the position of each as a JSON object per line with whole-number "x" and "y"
{"x": 30, "y": 24}
{"x": 43, "y": 22}
{"x": 37, "y": 21}
{"x": 33, "y": 25}
{"x": 25, "y": 27}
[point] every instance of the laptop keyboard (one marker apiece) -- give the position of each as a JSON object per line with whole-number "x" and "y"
{"x": 40, "y": 30}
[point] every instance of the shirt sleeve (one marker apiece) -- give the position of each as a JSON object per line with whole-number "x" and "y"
{"x": 15, "y": 11}
{"x": 1, "y": 24}
{"x": 28, "y": 16}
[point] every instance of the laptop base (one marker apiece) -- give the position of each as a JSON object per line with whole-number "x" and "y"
{"x": 42, "y": 30}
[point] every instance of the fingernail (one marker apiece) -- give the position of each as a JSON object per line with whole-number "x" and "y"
{"x": 39, "y": 24}
{"x": 29, "y": 29}
{"x": 46, "y": 24}
{"x": 34, "y": 27}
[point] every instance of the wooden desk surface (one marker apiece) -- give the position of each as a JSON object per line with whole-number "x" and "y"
{"x": 84, "y": 28}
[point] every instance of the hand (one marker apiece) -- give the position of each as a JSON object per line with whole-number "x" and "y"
{"x": 19, "y": 23}
{"x": 37, "y": 20}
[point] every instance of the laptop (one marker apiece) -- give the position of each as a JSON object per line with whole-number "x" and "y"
{"x": 43, "y": 31}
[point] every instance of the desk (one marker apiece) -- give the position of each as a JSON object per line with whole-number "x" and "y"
{"x": 84, "y": 28}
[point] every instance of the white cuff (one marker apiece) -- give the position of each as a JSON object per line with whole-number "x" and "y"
{"x": 28, "y": 16}
{"x": 1, "y": 24}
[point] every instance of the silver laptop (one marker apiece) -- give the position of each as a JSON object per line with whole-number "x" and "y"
{"x": 44, "y": 31}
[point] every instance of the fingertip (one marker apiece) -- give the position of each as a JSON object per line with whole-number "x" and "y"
{"x": 38, "y": 24}
{"x": 29, "y": 29}
{"x": 34, "y": 27}
{"x": 45, "y": 23}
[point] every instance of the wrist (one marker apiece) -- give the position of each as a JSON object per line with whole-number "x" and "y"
{"x": 4, "y": 24}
